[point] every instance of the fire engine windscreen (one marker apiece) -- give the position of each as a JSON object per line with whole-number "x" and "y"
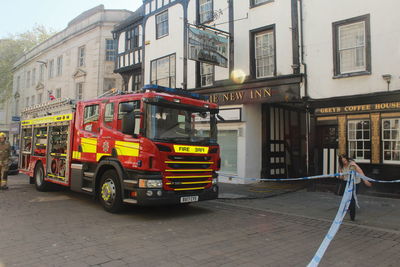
{"x": 180, "y": 125}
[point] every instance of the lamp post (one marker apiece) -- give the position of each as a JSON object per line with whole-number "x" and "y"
{"x": 387, "y": 78}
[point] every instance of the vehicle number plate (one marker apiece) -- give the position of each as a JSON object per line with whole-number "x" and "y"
{"x": 189, "y": 199}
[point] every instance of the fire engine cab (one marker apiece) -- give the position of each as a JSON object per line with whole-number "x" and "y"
{"x": 155, "y": 147}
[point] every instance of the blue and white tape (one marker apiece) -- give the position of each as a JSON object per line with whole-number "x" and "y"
{"x": 349, "y": 192}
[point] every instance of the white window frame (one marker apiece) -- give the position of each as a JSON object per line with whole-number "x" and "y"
{"x": 34, "y": 77}
{"x": 206, "y": 78}
{"x": 41, "y": 73}
{"x": 51, "y": 69}
{"x": 162, "y": 27}
{"x": 79, "y": 91}
{"x": 81, "y": 56}
{"x": 28, "y": 79}
{"x": 111, "y": 49}
{"x": 266, "y": 60}
{"x": 155, "y": 70}
{"x": 59, "y": 65}
{"x": 352, "y": 138}
{"x": 393, "y": 140}
{"x": 206, "y": 10}
{"x": 58, "y": 93}
{"x": 343, "y": 50}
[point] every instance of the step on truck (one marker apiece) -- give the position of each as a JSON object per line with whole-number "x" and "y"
{"x": 158, "y": 146}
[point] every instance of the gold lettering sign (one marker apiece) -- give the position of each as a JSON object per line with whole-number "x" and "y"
{"x": 358, "y": 108}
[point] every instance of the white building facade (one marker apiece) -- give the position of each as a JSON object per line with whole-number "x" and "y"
{"x": 353, "y": 81}
{"x": 77, "y": 62}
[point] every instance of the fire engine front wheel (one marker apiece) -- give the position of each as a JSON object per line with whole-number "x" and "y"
{"x": 40, "y": 183}
{"x": 110, "y": 192}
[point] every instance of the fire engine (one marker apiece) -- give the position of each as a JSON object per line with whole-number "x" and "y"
{"x": 157, "y": 146}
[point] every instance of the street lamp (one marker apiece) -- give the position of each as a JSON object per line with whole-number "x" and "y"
{"x": 387, "y": 78}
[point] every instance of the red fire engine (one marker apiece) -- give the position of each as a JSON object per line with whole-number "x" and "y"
{"x": 155, "y": 147}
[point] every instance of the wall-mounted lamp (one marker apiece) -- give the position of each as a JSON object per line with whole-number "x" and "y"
{"x": 387, "y": 78}
{"x": 42, "y": 62}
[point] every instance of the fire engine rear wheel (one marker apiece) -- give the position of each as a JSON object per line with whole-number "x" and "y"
{"x": 40, "y": 183}
{"x": 110, "y": 192}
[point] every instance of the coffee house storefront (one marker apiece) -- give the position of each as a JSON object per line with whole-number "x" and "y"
{"x": 263, "y": 133}
{"x": 368, "y": 131}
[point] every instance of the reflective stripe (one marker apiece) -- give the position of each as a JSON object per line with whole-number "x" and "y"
{"x": 204, "y": 182}
{"x": 76, "y": 155}
{"x": 192, "y": 176}
{"x": 127, "y": 148}
{"x": 193, "y": 188}
{"x": 99, "y": 155}
{"x": 190, "y": 170}
{"x": 48, "y": 119}
{"x": 190, "y": 162}
{"x": 89, "y": 145}
{"x": 55, "y": 176}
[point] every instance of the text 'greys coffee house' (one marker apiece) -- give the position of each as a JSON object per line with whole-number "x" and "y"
{"x": 368, "y": 133}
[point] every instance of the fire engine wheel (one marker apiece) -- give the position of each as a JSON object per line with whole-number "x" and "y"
{"x": 40, "y": 183}
{"x": 110, "y": 192}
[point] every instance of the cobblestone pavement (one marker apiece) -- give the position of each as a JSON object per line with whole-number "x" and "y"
{"x": 67, "y": 229}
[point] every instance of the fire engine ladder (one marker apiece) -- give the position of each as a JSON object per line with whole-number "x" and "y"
{"x": 54, "y": 107}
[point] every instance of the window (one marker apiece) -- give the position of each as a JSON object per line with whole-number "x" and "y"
{"x": 110, "y": 49}
{"x": 136, "y": 82}
{"x": 81, "y": 56}
{"x": 58, "y": 93}
{"x": 18, "y": 83}
{"x": 359, "y": 140}
{"x": 264, "y": 52}
{"x": 108, "y": 84}
{"x": 259, "y": 2}
{"x": 91, "y": 118}
{"x": 132, "y": 38}
{"x": 109, "y": 115}
{"x": 163, "y": 71}
{"x": 352, "y": 46}
{"x": 27, "y": 101}
{"x": 41, "y": 73}
{"x": 51, "y": 68}
{"x": 33, "y": 77}
{"x": 136, "y": 106}
{"x": 206, "y": 10}
{"x": 33, "y": 100}
{"x": 59, "y": 65}
{"x": 391, "y": 140}
{"x": 28, "y": 79}
{"x": 40, "y": 98}
{"x": 206, "y": 74}
{"x": 79, "y": 91}
{"x": 162, "y": 24}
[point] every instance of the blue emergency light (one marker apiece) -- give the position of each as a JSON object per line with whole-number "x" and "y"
{"x": 174, "y": 91}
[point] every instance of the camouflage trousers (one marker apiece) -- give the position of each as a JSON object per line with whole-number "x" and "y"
{"x": 3, "y": 174}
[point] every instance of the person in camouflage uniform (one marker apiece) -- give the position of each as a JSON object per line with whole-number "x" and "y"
{"x": 5, "y": 151}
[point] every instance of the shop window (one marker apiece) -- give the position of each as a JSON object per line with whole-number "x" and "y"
{"x": 359, "y": 140}
{"x": 91, "y": 118}
{"x": 352, "y": 46}
{"x": 391, "y": 140}
{"x": 227, "y": 140}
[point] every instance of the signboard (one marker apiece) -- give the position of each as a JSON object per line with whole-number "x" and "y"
{"x": 282, "y": 93}
{"x": 15, "y": 118}
{"x": 208, "y": 46}
{"x": 229, "y": 115}
{"x": 358, "y": 108}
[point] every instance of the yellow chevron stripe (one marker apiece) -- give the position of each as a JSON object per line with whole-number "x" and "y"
{"x": 76, "y": 155}
{"x": 99, "y": 155}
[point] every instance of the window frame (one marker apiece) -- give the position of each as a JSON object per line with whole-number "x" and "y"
{"x": 169, "y": 77}
{"x": 212, "y": 74}
{"x": 253, "y": 4}
{"x": 355, "y": 121}
{"x": 253, "y": 33}
{"x": 81, "y": 56}
{"x": 390, "y": 140}
{"x": 59, "y": 65}
{"x": 110, "y": 54}
{"x": 336, "y": 53}
{"x": 212, "y": 12}
{"x": 51, "y": 68}
{"x": 76, "y": 91}
{"x": 158, "y": 36}
{"x": 97, "y": 119}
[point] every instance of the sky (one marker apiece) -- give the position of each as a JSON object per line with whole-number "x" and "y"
{"x": 18, "y": 16}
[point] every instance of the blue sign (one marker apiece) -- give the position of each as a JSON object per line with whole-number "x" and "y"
{"x": 15, "y": 118}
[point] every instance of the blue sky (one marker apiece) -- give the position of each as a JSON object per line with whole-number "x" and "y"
{"x": 18, "y": 16}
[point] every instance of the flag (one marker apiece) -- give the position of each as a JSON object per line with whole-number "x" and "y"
{"x": 51, "y": 96}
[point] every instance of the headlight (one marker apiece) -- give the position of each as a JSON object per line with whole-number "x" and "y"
{"x": 143, "y": 183}
{"x": 215, "y": 181}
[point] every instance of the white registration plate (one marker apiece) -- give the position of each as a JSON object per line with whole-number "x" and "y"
{"x": 189, "y": 199}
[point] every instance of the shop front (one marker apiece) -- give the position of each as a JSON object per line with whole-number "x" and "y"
{"x": 263, "y": 134}
{"x": 368, "y": 132}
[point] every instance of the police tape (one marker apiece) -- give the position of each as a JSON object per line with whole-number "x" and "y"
{"x": 349, "y": 193}
{"x": 335, "y": 175}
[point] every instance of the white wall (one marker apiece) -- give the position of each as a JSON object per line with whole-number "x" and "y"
{"x": 385, "y": 48}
